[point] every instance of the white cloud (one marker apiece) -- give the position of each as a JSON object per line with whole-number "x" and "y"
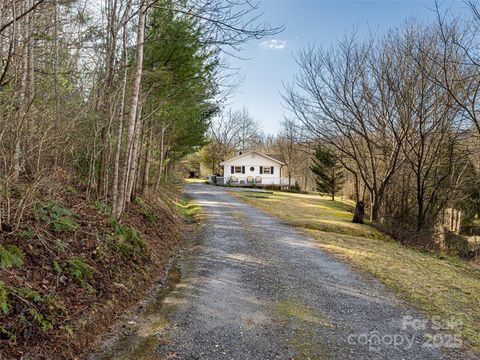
{"x": 274, "y": 44}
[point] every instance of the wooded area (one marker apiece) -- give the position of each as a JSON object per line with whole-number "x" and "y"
{"x": 400, "y": 112}
{"x": 111, "y": 93}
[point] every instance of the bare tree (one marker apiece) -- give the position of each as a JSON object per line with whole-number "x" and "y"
{"x": 344, "y": 100}
{"x": 286, "y": 145}
{"x": 247, "y": 132}
{"x": 459, "y": 61}
{"x": 128, "y": 169}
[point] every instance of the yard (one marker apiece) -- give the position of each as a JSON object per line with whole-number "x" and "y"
{"x": 438, "y": 285}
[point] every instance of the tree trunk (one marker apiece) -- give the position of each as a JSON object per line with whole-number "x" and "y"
{"x": 374, "y": 211}
{"x": 56, "y": 77}
{"x": 23, "y": 106}
{"x": 133, "y": 111}
{"x": 136, "y": 145}
{"x": 334, "y": 189}
{"x": 147, "y": 162}
{"x": 356, "y": 186}
{"x": 162, "y": 158}
{"x": 118, "y": 147}
{"x": 102, "y": 184}
{"x": 29, "y": 142}
{"x": 103, "y": 162}
{"x": 377, "y": 199}
{"x": 359, "y": 212}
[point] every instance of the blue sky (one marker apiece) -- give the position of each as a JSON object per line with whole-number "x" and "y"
{"x": 321, "y": 22}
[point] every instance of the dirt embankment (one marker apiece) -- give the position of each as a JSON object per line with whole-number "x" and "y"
{"x": 70, "y": 270}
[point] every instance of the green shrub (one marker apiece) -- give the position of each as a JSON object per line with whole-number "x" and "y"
{"x": 60, "y": 246}
{"x": 54, "y": 304}
{"x": 57, "y": 267}
{"x": 456, "y": 244}
{"x": 49, "y": 302}
{"x": 80, "y": 270}
{"x": 52, "y": 210}
{"x": 27, "y": 234}
{"x": 10, "y": 255}
{"x": 64, "y": 224}
{"x": 146, "y": 212}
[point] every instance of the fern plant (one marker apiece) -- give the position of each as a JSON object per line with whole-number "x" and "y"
{"x": 146, "y": 212}
{"x": 128, "y": 240}
{"x": 10, "y": 255}
{"x": 5, "y": 334}
{"x": 102, "y": 207}
{"x": 55, "y": 214}
{"x": 80, "y": 270}
{"x": 4, "y": 305}
{"x": 29, "y": 294}
{"x": 41, "y": 320}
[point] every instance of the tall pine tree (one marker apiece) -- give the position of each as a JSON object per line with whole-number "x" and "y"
{"x": 329, "y": 176}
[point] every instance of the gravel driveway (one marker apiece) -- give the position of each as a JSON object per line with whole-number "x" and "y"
{"x": 259, "y": 289}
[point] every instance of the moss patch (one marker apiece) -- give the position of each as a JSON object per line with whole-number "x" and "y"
{"x": 188, "y": 209}
{"x": 300, "y": 312}
{"x": 306, "y": 344}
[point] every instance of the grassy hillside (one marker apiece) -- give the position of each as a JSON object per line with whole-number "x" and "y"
{"x": 70, "y": 270}
{"x": 439, "y": 285}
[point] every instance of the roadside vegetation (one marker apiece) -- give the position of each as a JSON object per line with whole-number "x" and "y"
{"x": 71, "y": 269}
{"x": 438, "y": 284}
{"x": 188, "y": 209}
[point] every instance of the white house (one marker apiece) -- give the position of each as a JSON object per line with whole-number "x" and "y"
{"x": 256, "y": 168}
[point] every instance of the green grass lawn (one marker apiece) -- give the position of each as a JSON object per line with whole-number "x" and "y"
{"x": 312, "y": 212}
{"x": 438, "y": 285}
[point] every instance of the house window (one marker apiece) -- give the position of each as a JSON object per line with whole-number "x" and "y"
{"x": 266, "y": 170}
{"x": 252, "y": 169}
{"x": 237, "y": 170}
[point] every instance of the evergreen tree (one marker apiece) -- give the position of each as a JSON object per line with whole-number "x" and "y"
{"x": 328, "y": 173}
{"x": 180, "y": 78}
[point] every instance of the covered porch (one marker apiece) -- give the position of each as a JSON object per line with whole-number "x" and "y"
{"x": 257, "y": 181}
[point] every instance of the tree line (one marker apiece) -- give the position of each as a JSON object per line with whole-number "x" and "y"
{"x": 109, "y": 94}
{"x": 399, "y": 111}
